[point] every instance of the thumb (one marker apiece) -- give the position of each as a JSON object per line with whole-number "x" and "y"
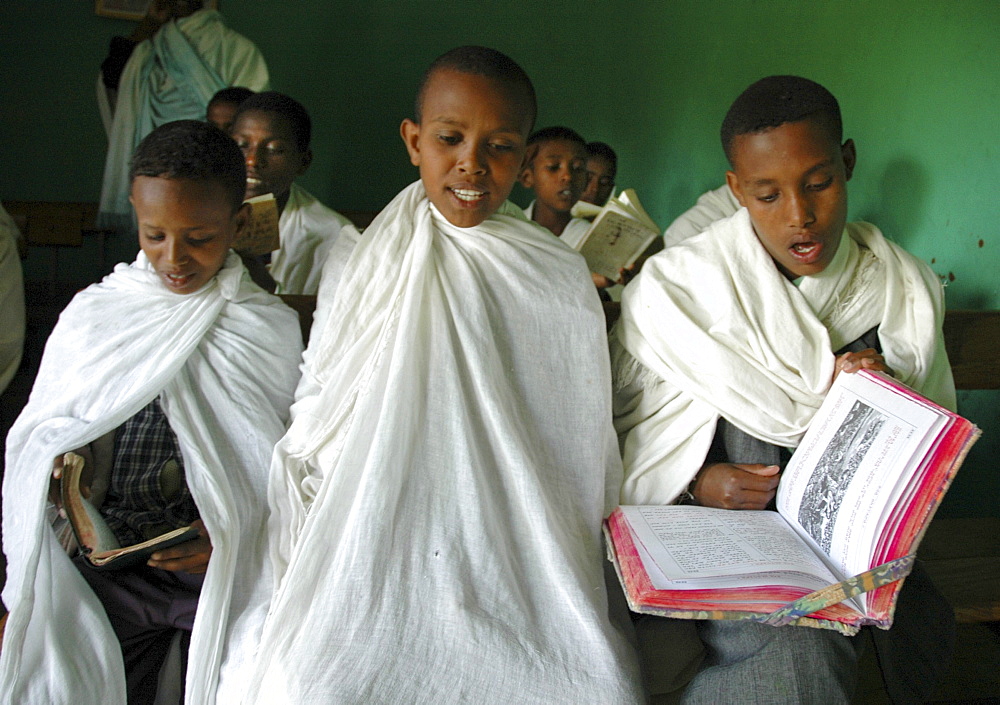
{"x": 759, "y": 469}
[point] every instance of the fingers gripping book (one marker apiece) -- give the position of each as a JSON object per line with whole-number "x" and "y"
{"x": 96, "y": 540}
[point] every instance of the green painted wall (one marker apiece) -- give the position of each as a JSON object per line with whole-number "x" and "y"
{"x": 917, "y": 80}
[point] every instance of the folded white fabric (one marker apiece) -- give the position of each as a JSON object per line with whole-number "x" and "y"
{"x": 308, "y": 231}
{"x": 438, "y": 497}
{"x": 710, "y": 327}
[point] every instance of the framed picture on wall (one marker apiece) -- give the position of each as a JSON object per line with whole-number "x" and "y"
{"x": 132, "y": 9}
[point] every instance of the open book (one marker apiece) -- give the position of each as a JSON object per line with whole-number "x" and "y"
{"x": 621, "y": 231}
{"x": 853, "y": 504}
{"x": 262, "y": 237}
{"x": 97, "y": 541}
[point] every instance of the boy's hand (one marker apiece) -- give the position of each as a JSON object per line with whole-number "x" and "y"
{"x": 86, "y": 477}
{"x": 188, "y": 557}
{"x": 736, "y": 485}
{"x": 867, "y": 359}
{"x": 624, "y": 277}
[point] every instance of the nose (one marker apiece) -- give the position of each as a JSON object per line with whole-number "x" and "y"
{"x": 800, "y": 210}
{"x": 251, "y": 155}
{"x": 176, "y": 251}
{"x": 472, "y": 160}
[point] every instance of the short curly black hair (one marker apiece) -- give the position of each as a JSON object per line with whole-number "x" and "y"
{"x": 603, "y": 150}
{"x": 195, "y": 150}
{"x": 774, "y": 101}
{"x": 285, "y": 106}
{"x": 480, "y": 61}
{"x": 234, "y": 95}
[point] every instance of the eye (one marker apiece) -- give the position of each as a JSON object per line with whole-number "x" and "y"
{"x": 200, "y": 240}
{"x": 450, "y": 139}
{"x": 768, "y": 198}
{"x": 501, "y": 147}
{"x": 822, "y": 185}
{"x": 153, "y": 237}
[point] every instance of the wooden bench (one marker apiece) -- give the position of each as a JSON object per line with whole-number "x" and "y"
{"x": 963, "y": 555}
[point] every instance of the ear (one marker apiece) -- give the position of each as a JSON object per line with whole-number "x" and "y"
{"x": 410, "y": 132}
{"x": 527, "y": 175}
{"x": 307, "y": 158}
{"x": 733, "y": 181}
{"x": 850, "y": 154}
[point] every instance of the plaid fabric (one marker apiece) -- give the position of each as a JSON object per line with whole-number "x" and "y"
{"x": 135, "y": 506}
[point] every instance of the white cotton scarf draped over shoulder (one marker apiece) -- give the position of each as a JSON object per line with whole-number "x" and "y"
{"x": 711, "y": 328}
{"x": 438, "y": 497}
{"x": 170, "y": 76}
{"x": 308, "y": 230}
{"x": 224, "y": 361}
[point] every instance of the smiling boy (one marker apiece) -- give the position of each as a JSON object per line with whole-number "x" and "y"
{"x": 438, "y": 497}
{"x": 154, "y": 375}
{"x": 728, "y": 343}
{"x": 274, "y": 131}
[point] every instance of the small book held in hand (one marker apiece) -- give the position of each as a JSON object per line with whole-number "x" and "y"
{"x": 97, "y": 541}
{"x": 853, "y": 504}
{"x": 262, "y": 237}
{"x": 620, "y": 232}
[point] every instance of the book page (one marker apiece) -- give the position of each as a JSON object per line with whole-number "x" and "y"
{"x": 262, "y": 236}
{"x": 614, "y": 241}
{"x": 852, "y": 467}
{"x": 690, "y": 543}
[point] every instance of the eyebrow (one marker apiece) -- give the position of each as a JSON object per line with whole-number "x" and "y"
{"x": 460, "y": 124}
{"x": 818, "y": 167}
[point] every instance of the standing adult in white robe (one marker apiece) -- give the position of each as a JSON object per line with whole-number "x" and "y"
{"x": 224, "y": 362}
{"x": 437, "y": 500}
{"x": 170, "y": 76}
{"x": 308, "y": 230}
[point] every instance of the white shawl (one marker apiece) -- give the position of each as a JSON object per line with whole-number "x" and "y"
{"x": 710, "y": 327}
{"x": 711, "y": 206}
{"x": 308, "y": 230}
{"x": 224, "y": 362}
{"x": 440, "y": 491}
{"x": 170, "y": 76}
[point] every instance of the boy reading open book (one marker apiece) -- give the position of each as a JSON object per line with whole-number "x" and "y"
{"x": 727, "y": 345}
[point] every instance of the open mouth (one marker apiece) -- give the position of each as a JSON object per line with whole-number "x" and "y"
{"x": 468, "y": 195}
{"x": 177, "y": 280}
{"x": 806, "y": 252}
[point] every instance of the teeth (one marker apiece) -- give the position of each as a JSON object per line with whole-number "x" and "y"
{"x": 804, "y": 247}
{"x": 467, "y": 194}
{"x": 252, "y": 180}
